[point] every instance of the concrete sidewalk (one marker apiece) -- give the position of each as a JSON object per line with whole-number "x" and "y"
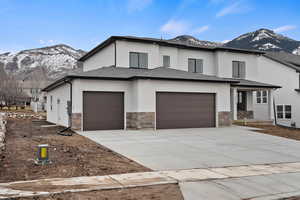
{"x": 238, "y": 182}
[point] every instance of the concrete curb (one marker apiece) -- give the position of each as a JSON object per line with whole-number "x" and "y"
{"x": 122, "y": 181}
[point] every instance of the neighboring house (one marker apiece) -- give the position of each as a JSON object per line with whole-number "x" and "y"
{"x": 134, "y": 83}
{"x": 33, "y": 89}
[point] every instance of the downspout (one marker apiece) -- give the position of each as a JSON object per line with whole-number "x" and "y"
{"x": 69, "y": 108}
{"x": 274, "y": 109}
{"x": 115, "y": 53}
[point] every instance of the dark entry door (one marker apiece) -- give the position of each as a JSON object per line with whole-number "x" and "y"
{"x": 242, "y": 101}
{"x": 184, "y": 110}
{"x": 103, "y": 110}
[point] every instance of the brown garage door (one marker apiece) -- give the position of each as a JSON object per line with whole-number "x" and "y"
{"x": 103, "y": 110}
{"x": 185, "y": 110}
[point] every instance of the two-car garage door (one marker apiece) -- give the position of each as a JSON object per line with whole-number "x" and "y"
{"x": 105, "y": 110}
{"x": 185, "y": 110}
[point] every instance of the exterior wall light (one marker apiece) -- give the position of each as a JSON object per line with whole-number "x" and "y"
{"x": 42, "y": 155}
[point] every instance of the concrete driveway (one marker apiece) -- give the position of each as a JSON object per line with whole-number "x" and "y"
{"x": 207, "y": 148}
{"x": 198, "y": 148}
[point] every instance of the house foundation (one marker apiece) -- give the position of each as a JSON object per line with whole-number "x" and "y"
{"x": 76, "y": 121}
{"x": 140, "y": 120}
{"x": 224, "y": 118}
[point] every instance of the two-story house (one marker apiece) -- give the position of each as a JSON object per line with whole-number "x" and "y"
{"x": 134, "y": 83}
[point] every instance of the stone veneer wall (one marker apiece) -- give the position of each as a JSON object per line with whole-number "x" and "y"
{"x": 140, "y": 120}
{"x": 225, "y": 118}
{"x": 245, "y": 114}
{"x": 3, "y": 121}
{"x": 76, "y": 121}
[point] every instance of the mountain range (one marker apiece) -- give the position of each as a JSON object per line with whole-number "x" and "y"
{"x": 265, "y": 40}
{"x": 55, "y": 60}
{"x": 59, "y": 59}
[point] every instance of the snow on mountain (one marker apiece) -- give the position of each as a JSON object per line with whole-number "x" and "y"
{"x": 190, "y": 40}
{"x": 265, "y": 40}
{"x": 296, "y": 51}
{"x": 55, "y": 59}
{"x": 268, "y": 46}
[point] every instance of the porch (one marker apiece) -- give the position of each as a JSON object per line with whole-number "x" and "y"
{"x": 252, "y": 101}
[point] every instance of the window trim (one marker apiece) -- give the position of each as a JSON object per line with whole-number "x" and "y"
{"x": 195, "y": 66}
{"x": 139, "y": 62}
{"x": 261, "y": 97}
{"x": 169, "y": 64}
{"x": 240, "y": 75}
{"x": 283, "y": 112}
{"x": 51, "y": 102}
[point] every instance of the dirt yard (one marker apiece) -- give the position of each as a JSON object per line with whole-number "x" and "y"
{"x": 71, "y": 156}
{"x": 277, "y": 131}
{"x": 158, "y": 192}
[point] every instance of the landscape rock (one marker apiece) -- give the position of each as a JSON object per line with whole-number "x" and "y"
{"x": 3, "y": 121}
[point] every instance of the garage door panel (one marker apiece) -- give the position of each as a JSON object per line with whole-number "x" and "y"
{"x": 185, "y": 110}
{"x": 103, "y": 110}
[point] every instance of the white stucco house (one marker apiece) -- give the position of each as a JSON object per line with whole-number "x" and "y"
{"x": 134, "y": 83}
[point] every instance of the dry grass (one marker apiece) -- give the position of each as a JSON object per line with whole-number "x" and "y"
{"x": 276, "y": 130}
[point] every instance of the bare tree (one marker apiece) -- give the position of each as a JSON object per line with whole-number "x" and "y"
{"x": 11, "y": 93}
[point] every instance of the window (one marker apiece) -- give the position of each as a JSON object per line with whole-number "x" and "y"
{"x": 138, "y": 60}
{"x": 51, "y": 101}
{"x": 299, "y": 80}
{"x": 284, "y": 111}
{"x": 288, "y": 111}
{"x": 238, "y": 69}
{"x": 262, "y": 96}
{"x": 195, "y": 65}
{"x": 166, "y": 61}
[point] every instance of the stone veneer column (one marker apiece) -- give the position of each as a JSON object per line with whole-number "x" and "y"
{"x": 245, "y": 114}
{"x": 140, "y": 120}
{"x": 225, "y": 118}
{"x": 76, "y": 121}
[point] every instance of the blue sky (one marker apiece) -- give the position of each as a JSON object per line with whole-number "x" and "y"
{"x": 85, "y": 23}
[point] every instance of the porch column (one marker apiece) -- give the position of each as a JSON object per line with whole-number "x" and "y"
{"x": 233, "y": 103}
{"x": 271, "y": 104}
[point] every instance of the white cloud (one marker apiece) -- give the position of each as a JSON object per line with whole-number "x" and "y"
{"x": 180, "y": 27}
{"x": 234, "y": 8}
{"x": 201, "y": 29}
{"x": 173, "y": 27}
{"x": 284, "y": 28}
{"x": 138, "y": 5}
{"x": 47, "y": 42}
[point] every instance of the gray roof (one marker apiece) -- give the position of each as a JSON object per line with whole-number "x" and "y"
{"x": 161, "y": 73}
{"x": 287, "y": 59}
{"x": 163, "y": 42}
{"x": 249, "y": 83}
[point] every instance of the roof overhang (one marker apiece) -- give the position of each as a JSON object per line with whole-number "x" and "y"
{"x": 69, "y": 78}
{"x": 284, "y": 63}
{"x": 161, "y": 42}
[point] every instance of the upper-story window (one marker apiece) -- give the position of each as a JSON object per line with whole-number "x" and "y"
{"x": 166, "y": 61}
{"x": 138, "y": 60}
{"x": 299, "y": 81}
{"x": 238, "y": 69}
{"x": 195, "y": 65}
{"x": 51, "y": 101}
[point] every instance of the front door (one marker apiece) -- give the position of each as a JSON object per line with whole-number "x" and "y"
{"x": 242, "y": 101}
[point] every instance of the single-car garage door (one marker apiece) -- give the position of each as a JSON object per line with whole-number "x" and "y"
{"x": 103, "y": 110}
{"x": 185, "y": 110}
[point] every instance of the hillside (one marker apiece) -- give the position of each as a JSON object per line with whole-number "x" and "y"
{"x": 55, "y": 60}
